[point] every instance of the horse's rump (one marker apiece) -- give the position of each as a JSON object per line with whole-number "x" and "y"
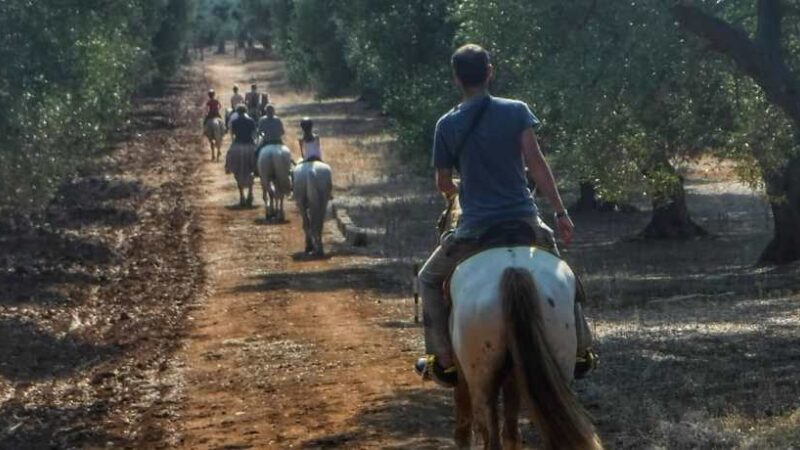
{"x": 274, "y": 166}
{"x": 215, "y": 129}
{"x": 313, "y": 183}
{"x": 241, "y": 162}
{"x": 519, "y": 301}
{"x": 475, "y": 293}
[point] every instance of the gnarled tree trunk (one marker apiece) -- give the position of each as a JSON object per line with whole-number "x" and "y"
{"x": 783, "y": 188}
{"x": 590, "y": 201}
{"x": 762, "y": 59}
{"x": 671, "y": 219}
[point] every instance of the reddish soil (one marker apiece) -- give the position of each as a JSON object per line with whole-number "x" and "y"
{"x": 288, "y": 352}
{"x": 94, "y": 293}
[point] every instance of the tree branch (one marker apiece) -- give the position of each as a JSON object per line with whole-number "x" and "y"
{"x": 760, "y": 59}
{"x": 768, "y": 32}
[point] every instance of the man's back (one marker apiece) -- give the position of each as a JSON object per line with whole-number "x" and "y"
{"x": 252, "y": 99}
{"x": 271, "y": 128}
{"x": 243, "y": 128}
{"x": 493, "y": 181}
{"x": 236, "y": 100}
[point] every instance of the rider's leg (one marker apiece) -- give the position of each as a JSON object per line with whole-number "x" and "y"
{"x": 435, "y": 309}
{"x": 439, "y": 362}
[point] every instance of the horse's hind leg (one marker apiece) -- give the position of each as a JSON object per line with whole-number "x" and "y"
{"x": 463, "y": 432}
{"x": 484, "y": 389}
{"x": 511, "y": 403}
{"x": 484, "y": 413}
{"x": 307, "y": 228}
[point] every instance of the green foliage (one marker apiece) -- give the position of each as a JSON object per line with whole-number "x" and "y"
{"x": 623, "y": 93}
{"x": 618, "y": 88}
{"x": 215, "y": 21}
{"x": 76, "y": 64}
{"x": 394, "y": 53}
{"x": 399, "y": 52}
{"x": 256, "y": 21}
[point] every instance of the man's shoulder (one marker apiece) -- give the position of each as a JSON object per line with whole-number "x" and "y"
{"x": 447, "y": 118}
{"x": 509, "y": 103}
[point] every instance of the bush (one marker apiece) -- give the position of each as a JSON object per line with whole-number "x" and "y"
{"x": 71, "y": 82}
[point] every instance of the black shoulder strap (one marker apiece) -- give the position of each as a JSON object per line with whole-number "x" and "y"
{"x": 476, "y": 119}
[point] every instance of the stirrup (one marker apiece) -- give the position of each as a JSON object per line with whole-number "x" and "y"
{"x": 585, "y": 364}
{"x": 428, "y": 368}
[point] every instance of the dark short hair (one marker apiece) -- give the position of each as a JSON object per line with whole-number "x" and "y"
{"x": 471, "y": 65}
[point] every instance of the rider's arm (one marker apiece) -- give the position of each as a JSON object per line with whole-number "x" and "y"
{"x": 302, "y": 150}
{"x": 541, "y": 174}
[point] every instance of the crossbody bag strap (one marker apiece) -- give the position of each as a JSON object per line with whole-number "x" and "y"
{"x": 476, "y": 119}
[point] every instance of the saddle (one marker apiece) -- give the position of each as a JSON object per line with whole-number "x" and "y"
{"x": 514, "y": 233}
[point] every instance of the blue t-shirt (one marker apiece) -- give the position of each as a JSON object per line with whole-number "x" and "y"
{"x": 243, "y": 129}
{"x": 494, "y": 187}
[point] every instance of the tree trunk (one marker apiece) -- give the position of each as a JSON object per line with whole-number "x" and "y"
{"x": 671, "y": 219}
{"x": 221, "y": 47}
{"x": 783, "y": 188}
{"x": 589, "y": 201}
{"x": 762, "y": 58}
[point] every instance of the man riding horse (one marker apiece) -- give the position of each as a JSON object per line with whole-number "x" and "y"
{"x": 256, "y": 102}
{"x": 489, "y": 141}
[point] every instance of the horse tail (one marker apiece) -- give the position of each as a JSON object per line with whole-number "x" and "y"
{"x": 564, "y": 424}
{"x": 312, "y": 190}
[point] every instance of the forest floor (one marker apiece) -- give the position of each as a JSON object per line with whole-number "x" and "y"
{"x": 173, "y": 319}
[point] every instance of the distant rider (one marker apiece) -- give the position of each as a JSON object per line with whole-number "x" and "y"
{"x": 270, "y": 127}
{"x": 310, "y": 148}
{"x": 213, "y": 107}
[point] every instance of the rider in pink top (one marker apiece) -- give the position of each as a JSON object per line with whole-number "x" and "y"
{"x": 310, "y": 148}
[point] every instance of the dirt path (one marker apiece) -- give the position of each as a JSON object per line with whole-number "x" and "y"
{"x": 290, "y": 353}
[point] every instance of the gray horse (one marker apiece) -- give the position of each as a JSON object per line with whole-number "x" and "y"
{"x": 274, "y": 168}
{"x": 313, "y": 186}
{"x": 214, "y": 130}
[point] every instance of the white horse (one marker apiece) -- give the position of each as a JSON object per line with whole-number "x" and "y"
{"x": 512, "y": 326}
{"x": 274, "y": 167}
{"x": 313, "y": 186}
{"x": 214, "y": 130}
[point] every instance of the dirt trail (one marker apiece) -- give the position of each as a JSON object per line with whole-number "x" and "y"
{"x": 285, "y": 352}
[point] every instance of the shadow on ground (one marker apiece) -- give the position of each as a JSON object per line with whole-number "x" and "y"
{"x": 31, "y": 353}
{"x": 39, "y": 428}
{"x": 378, "y": 278}
{"x": 414, "y": 418}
